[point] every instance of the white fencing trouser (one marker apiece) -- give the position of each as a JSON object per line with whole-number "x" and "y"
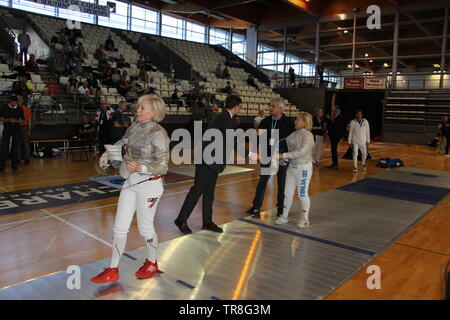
{"x": 142, "y": 198}
{"x": 297, "y": 176}
{"x": 359, "y": 146}
{"x": 318, "y": 145}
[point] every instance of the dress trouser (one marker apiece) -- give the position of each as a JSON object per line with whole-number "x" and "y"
{"x": 204, "y": 184}
{"x": 334, "y": 156}
{"x": 260, "y": 189}
{"x": 9, "y": 135}
{"x": 103, "y": 138}
{"x": 359, "y": 146}
{"x": 298, "y": 177}
{"x": 317, "y": 150}
{"x": 24, "y": 143}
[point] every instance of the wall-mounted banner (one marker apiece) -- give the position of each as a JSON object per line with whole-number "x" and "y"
{"x": 84, "y": 7}
{"x": 353, "y": 83}
{"x": 375, "y": 83}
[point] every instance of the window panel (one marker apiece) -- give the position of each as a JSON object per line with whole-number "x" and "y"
{"x": 34, "y": 7}
{"x": 144, "y": 20}
{"x": 195, "y": 32}
{"x": 172, "y": 27}
{"x": 116, "y": 20}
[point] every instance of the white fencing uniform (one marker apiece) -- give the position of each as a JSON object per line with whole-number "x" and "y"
{"x": 359, "y": 137}
{"x": 299, "y": 172}
{"x": 147, "y": 144}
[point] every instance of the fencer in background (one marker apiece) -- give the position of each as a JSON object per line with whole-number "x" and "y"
{"x": 300, "y": 145}
{"x": 359, "y": 139}
{"x": 146, "y": 159}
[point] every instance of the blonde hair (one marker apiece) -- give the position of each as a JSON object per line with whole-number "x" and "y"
{"x": 307, "y": 119}
{"x": 156, "y": 104}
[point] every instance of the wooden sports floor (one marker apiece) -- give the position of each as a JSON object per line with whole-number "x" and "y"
{"x": 412, "y": 268}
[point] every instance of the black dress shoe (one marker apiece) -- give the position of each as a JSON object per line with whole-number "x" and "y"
{"x": 212, "y": 227}
{"x": 250, "y": 211}
{"x": 182, "y": 226}
{"x": 256, "y": 214}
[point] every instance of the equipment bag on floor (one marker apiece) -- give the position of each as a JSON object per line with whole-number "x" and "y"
{"x": 389, "y": 163}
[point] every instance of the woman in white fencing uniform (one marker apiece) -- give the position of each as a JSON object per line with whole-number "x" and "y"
{"x": 300, "y": 145}
{"x": 359, "y": 139}
{"x": 146, "y": 157}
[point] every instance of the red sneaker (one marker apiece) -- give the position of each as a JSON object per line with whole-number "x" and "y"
{"x": 147, "y": 270}
{"x": 108, "y": 275}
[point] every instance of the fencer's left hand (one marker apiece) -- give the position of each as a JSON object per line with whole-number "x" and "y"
{"x": 278, "y": 156}
{"x": 133, "y": 166}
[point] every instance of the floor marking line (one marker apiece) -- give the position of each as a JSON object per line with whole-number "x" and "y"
{"x": 423, "y": 249}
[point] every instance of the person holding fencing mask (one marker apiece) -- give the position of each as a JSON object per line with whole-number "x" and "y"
{"x": 145, "y": 149}
{"x": 300, "y": 145}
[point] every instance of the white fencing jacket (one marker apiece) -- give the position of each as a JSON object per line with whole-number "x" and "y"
{"x": 359, "y": 132}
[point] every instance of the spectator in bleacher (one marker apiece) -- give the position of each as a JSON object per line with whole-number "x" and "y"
{"x": 225, "y": 73}
{"x": 85, "y": 94}
{"x": 219, "y": 73}
{"x": 25, "y": 130}
{"x": 31, "y": 65}
{"x": 73, "y": 83}
{"x": 151, "y": 83}
{"x": 99, "y": 52}
{"x": 11, "y": 115}
{"x": 25, "y": 42}
{"x": 59, "y": 67}
{"x": 81, "y": 52}
{"x": 115, "y": 77}
{"x": 103, "y": 120}
{"x": 118, "y": 123}
{"x": 228, "y": 89}
{"x": 72, "y": 37}
{"x": 21, "y": 88}
{"x": 123, "y": 87}
{"x": 121, "y": 63}
{"x": 235, "y": 90}
{"x": 258, "y": 119}
{"x": 92, "y": 83}
{"x": 53, "y": 91}
{"x": 109, "y": 43}
{"x": 62, "y": 40}
{"x": 141, "y": 62}
{"x": 112, "y": 63}
{"x": 251, "y": 82}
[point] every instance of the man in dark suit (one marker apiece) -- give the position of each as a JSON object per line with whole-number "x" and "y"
{"x": 336, "y": 129}
{"x": 285, "y": 126}
{"x": 206, "y": 174}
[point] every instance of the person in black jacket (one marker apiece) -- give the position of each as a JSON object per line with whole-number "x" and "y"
{"x": 285, "y": 126}
{"x": 206, "y": 174}
{"x": 336, "y": 129}
{"x": 11, "y": 115}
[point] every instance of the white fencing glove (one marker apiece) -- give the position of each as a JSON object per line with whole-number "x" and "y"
{"x": 103, "y": 162}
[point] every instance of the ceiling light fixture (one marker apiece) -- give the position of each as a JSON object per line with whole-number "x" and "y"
{"x": 366, "y": 55}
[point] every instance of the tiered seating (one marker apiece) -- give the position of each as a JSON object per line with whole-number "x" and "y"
{"x": 205, "y": 59}
{"x": 93, "y": 36}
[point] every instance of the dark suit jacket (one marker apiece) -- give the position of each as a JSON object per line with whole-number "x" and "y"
{"x": 286, "y": 126}
{"x": 336, "y": 128}
{"x": 222, "y": 122}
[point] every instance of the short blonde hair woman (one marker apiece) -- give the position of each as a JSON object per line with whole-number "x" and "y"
{"x": 300, "y": 145}
{"x": 146, "y": 158}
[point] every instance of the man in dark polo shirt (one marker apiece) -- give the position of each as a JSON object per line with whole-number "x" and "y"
{"x": 11, "y": 115}
{"x": 118, "y": 123}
